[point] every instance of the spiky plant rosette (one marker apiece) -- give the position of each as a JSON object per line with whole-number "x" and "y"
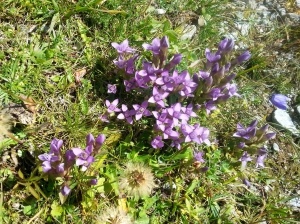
{"x": 137, "y": 180}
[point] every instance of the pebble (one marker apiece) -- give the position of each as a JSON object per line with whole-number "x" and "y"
{"x": 160, "y": 11}
{"x": 294, "y": 17}
{"x": 298, "y": 110}
{"x": 295, "y": 202}
{"x": 188, "y": 32}
{"x": 276, "y": 147}
{"x": 282, "y": 118}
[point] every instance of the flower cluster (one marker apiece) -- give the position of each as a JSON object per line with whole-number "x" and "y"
{"x": 252, "y": 142}
{"x": 57, "y": 164}
{"x": 176, "y": 96}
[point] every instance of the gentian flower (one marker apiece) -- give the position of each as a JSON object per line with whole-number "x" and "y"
{"x": 84, "y": 158}
{"x": 127, "y": 114}
{"x": 111, "y": 88}
{"x": 280, "y": 101}
{"x": 55, "y": 146}
{"x": 158, "y": 96}
{"x": 65, "y": 190}
{"x": 246, "y": 182}
{"x": 226, "y": 46}
{"x": 154, "y": 47}
{"x": 198, "y": 157}
{"x": 93, "y": 182}
{"x": 262, "y": 154}
{"x": 104, "y": 117}
{"x": 246, "y": 133}
{"x": 157, "y": 142}
{"x": 240, "y": 59}
{"x": 123, "y": 47}
{"x": 99, "y": 142}
{"x": 112, "y": 107}
{"x": 141, "y": 110}
{"x": 90, "y": 139}
{"x": 244, "y": 159}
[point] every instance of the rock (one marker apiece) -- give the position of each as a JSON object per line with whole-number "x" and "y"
{"x": 282, "y": 11}
{"x": 276, "y": 147}
{"x": 298, "y": 110}
{"x": 298, "y": 3}
{"x": 243, "y": 27}
{"x": 284, "y": 120}
{"x": 188, "y": 32}
{"x": 251, "y": 4}
{"x": 294, "y": 17}
{"x": 295, "y": 202}
{"x": 160, "y": 11}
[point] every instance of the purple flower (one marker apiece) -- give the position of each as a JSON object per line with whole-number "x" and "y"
{"x": 226, "y": 46}
{"x": 240, "y": 59}
{"x": 99, "y": 142}
{"x": 103, "y": 117}
{"x": 123, "y": 47}
{"x": 260, "y": 161}
{"x": 90, "y": 139}
{"x": 55, "y": 146}
{"x": 244, "y": 159}
{"x": 280, "y": 101}
{"x": 84, "y": 158}
{"x": 241, "y": 145}
{"x": 175, "y": 113}
{"x": 211, "y": 57}
{"x": 198, "y": 157}
{"x": 195, "y": 133}
{"x": 158, "y": 96}
{"x": 112, "y": 107}
{"x": 127, "y": 114}
{"x": 154, "y": 47}
{"x": 69, "y": 159}
{"x": 157, "y": 142}
{"x": 130, "y": 84}
{"x": 48, "y": 159}
{"x": 93, "y": 182}
{"x": 141, "y": 110}
{"x": 262, "y": 154}
{"x": 175, "y": 61}
{"x": 246, "y": 133}
{"x": 246, "y": 182}
{"x": 177, "y": 143}
{"x": 168, "y": 132}
{"x": 209, "y": 106}
{"x": 111, "y": 88}
{"x": 188, "y": 110}
{"x": 65, "y": 190}
{"x": 120, "y": 62}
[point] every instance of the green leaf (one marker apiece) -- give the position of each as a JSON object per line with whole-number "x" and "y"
{"x": 33, "y": 192}
{"x": 27, "y": 209}
{"x": 55, "y": 78}
{"x": 173, "y": 36}
{"x": 57, "y": 210}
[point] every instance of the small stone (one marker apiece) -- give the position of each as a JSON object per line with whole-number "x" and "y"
{"x": 276, "y": 147}
{"x": 251, "y": 3}
{"x": 188, "y": 32}
{"x": 295, "y": 202}
{"x": 294, "y": 17}
{"x": 244, "y": 28}
{"x": 160, "y": 11}
{"x": 284, "y": 120}
{"x": 298, "y": 110}
{"x": 282, "y": 11}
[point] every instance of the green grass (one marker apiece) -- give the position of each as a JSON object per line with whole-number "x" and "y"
{"x": 44, "y": 43}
